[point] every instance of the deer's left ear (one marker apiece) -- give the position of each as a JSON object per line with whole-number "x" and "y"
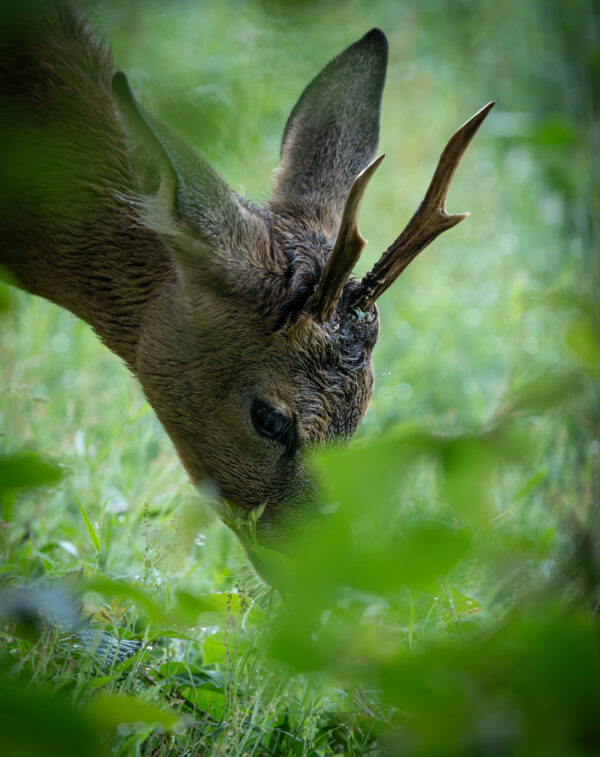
{"x": 332, "y": 133}
{"x": 211, "y": 234}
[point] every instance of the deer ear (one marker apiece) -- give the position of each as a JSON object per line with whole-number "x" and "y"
{"x": 202, "y": 222}
{"x": 332, "y": 133}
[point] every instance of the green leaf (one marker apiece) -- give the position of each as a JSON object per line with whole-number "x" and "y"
{"x": 109, "y": 711}
{"x": 463, "y": 604}
{"x": 469, "y": 463}
{"x": 90, "y": 529}
{"x": 43, "y": 723}
{"x": 368, "y": 471}
{"x": 211, "y": 702}
{"x": 25, "y": 470}
{"x": 273, "y": 567}
{"x": 214, "y": 651}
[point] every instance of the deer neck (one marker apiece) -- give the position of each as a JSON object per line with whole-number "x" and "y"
{"x": 107, "y": 270}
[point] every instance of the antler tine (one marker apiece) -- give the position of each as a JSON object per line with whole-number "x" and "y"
{"x": 430, "y": 220}
{"x": 348, "y": 246}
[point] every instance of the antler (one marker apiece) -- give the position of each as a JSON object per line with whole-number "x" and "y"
{"x": 347, "y": 249}
{"x": 430, "y": 220}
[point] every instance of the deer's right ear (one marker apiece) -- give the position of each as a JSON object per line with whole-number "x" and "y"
{"x": 202, "y": 222}
{"x": 332, "y": 133}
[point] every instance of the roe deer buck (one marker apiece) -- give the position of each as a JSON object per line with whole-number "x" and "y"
{"x": 248, "y": 335}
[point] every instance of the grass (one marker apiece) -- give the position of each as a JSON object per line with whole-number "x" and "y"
{"x": 452, "y": 606}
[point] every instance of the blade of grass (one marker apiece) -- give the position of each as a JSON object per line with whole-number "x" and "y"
{"x": 90, "y": 529}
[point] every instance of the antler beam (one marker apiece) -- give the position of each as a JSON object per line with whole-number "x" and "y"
{"x": 347, "y": 248}
{"x": 430, "y": 220}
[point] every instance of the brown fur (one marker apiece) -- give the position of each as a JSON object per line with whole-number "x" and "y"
{"x": 203, "y": 295}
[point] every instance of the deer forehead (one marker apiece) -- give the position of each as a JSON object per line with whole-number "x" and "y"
{"x": 327, "y": 379}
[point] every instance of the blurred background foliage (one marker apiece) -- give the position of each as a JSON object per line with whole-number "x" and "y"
{"x": 450, "y": 606}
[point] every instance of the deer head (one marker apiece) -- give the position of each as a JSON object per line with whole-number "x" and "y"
{"x": 262, "y": 347}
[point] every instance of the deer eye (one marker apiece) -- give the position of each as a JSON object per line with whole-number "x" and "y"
{"x": 271, "y": 424}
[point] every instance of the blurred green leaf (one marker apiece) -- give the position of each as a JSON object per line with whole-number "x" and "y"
{"x": 372, "y": 472}
{"x": 369, "y": 472}
{"x": 463, "y": 604}
{"x": 469, "y": 463}
{"x": 25, "y": 470}
{"x": 36, "y": 722}
{"x": 540, "y": 661}
{"x": 345, "y": 578}
{"x": 275, "y": 568}
{"x": 214, "y": 651}
{"x": 109, "y": 711}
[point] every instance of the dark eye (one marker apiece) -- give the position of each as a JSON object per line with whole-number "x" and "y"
{"x": 272, "y": 424}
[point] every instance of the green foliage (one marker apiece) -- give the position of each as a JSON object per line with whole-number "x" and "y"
{"x": 448, "y": 605}
{"x": 90, "y": 529}
{"x": 57, "y": 730}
